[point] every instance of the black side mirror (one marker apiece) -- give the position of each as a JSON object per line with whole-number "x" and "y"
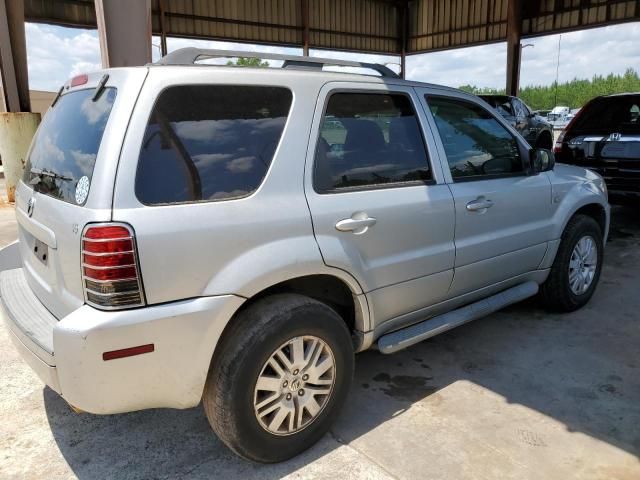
{"x": 542, "y": 160}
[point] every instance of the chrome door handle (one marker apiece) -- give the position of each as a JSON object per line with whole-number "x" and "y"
{"x": 479, "y": 205}
{"x": 358, "y": 224}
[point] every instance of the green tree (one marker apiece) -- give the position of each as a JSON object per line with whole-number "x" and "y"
{"x": 248, "y": 62}
{"x": 574, "y": 93}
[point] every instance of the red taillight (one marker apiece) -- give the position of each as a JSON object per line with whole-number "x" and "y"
{"x": 110, "y": 270}
{"x": 112, "y": 260}
{"x": 111, "y": 273}
{"x": 557, "y": 148}
{"x": 79, "y": 80}
{"x": 107, "y": 233}
{"x": 108, "y": 246}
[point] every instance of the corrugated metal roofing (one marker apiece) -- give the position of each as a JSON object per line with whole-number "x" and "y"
{"x": 357, "y": 25}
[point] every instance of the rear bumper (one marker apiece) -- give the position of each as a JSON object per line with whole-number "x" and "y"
{"x": 68, "y": 354}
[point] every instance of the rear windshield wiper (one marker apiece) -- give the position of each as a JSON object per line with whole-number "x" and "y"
{"x": 44, "y": 173}
{"x": 100, "y": 87}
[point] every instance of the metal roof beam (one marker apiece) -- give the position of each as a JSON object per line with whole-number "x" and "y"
{"x": 514, "y": 49}
{"x": 13, "y": 57}
{"x": 124, "y": 28}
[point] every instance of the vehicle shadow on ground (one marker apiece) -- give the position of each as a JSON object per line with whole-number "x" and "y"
{"x": 581, "y": 369}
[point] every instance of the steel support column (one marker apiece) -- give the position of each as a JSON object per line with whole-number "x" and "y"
{"x": 124, "y": 28}
{"x": 305, "y": 27}
{"x": 404, "y": 37}
{"x": 13, "y": 56}
{"x": 163, "y": 30}
{"x": 514, "y": 34}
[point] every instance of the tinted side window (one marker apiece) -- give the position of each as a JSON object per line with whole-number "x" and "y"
{"x": 210, "y": 142}
{"x": 369, "y": 139}
{"x": 476, "y": 144}
{"x": 519, "y": 108}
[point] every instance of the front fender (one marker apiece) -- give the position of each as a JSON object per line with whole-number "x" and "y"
{"x": 572, "y": 199}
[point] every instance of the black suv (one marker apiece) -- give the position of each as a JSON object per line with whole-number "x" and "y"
{"x": 534, "y": 128}
{"x": 605, "y": 137}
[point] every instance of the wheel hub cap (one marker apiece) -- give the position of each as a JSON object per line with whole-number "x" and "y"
{"x": 582, "y": 265}
{"x": 294, "y": 385}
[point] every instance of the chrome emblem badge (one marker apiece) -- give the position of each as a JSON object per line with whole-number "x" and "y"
{"x": 615, "y": 137}
{"x": 30, "y": 206}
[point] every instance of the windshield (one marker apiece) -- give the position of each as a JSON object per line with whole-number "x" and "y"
{"x": 611, "y": 114}
{"x": 67, "y": 143}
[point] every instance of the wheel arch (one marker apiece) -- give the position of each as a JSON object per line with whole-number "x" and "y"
{"x": 541, "y": 141}
{"x": 595, "y": 210}
{"x": 326, "y": 288}
{"x": 329, "y": 288}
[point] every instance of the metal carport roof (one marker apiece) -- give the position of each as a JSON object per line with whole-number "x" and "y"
{"x": 391, "y": 27}
{"x": 375, "y": 26}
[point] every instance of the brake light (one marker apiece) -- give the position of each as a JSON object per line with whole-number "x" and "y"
{"x": 79, "y": 80}
{"x": 557, "y": 148}
{"x": 110, "y": 269}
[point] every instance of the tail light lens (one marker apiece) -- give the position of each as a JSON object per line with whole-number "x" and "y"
{"x": 110, "y": 269}
{"x": 557, "y": 148}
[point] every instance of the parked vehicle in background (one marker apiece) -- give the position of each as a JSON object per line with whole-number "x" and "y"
{"x": 572, "y": 114}
{"x": 534, "y": 128}
{"x": 232, "y": 236}
{"x": 542, "y": 113}
{"x": 605, "y": 137}
{"x": 558, "y": 114}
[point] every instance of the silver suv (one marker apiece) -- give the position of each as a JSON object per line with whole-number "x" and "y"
{"x": 193, "y": 232}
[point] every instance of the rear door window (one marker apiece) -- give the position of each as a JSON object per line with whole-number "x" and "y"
{"x": 369, "y": 140}
{"x": 67, "y": 143}
{"x": 210, "y": 142}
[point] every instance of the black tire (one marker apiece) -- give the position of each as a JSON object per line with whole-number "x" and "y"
{"x": 556, "y": 292}
{"x": 255, "y": 335}
{"x": 545, "y": 140}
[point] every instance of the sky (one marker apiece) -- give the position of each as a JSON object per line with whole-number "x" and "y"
{"x": 57, "y": 53}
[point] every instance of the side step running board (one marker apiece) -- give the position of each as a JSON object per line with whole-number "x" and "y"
{"x": 394, "y": 341}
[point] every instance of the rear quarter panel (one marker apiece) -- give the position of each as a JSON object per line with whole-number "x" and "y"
{"x": 239, "y": 246}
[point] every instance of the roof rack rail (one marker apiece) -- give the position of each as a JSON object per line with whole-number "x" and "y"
{"x": 189, "y": 56}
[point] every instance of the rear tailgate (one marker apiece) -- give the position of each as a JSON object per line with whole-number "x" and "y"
{"x": 615, "y": 157}
{"x": 69, "y": 179}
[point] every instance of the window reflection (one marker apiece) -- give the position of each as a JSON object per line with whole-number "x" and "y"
{"x": 475, "y": 142}
{"x": 369, "y": 139}
{"x": 67, "y": 142}
{"x": 210, "y": 142}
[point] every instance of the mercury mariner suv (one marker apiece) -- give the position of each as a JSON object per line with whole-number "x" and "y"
{"x": 192, "y": 233}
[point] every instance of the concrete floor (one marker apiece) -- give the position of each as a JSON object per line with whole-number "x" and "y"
{"x": 519, "y": 395}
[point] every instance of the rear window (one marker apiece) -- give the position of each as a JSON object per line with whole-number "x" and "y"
{"x": 210, "y": 142}
{"x": 66, "y": 145}
{"x": 610, "y": 115}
